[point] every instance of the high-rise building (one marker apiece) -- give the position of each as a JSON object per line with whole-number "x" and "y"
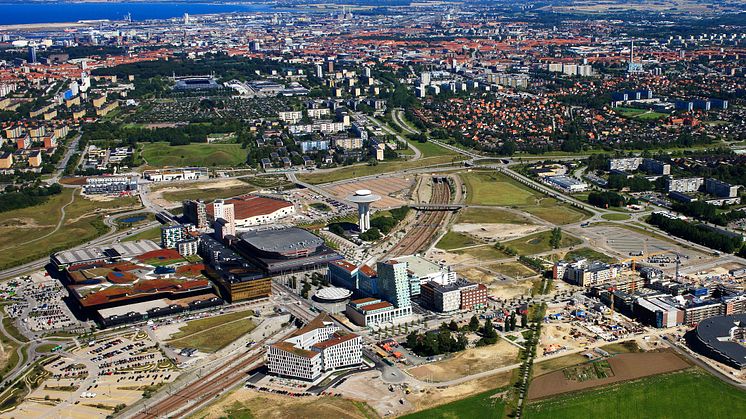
{"x": 425, "y": 78}
{"x": 32, "y": 54}
{"x": 196, "y": 212}
{"x": 393, "y": 281}
{"x": 225, "y": 223}
{"x": 319, "y": 71}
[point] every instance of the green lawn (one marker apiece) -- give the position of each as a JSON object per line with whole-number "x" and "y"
{"x": 454, "y": 240}
{"x": 198, "y": 154}
{"x": 490, "y": 188}
{"x": 539, "y": 242}
{"x": 491, "y": 215}
{"x": 149, "y": 234}
{"x": 481, "y": 405}
{"x": 690, "y": 394}
{"x": 590, "y": 254}
{"x": 615, "y": 217}
{"x": 360, "y": 170}
{"x": 430, "y": 149}
{"x": 213, "y": 333}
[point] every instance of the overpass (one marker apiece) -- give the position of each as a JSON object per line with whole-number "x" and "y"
{"x": 437, "y": 207}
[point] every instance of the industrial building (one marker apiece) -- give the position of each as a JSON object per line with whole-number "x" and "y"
{"x": 318, "y": 348}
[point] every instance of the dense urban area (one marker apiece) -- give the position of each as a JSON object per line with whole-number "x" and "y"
{"x": 380, "y": 209}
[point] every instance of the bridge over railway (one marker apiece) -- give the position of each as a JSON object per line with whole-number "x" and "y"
{"x": 437, "y": 207}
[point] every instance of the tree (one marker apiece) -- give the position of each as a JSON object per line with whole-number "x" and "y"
{"x": 453, "y": 326}
{"x": 512, "y": 321}
{"x": 556, "y": 238}
{"x": 474, "y": 323}
{"x": 524, "y": 321}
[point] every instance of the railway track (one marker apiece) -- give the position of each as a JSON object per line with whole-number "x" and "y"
{"x": 426, "y": 225}
{"x": 207, "y": 388}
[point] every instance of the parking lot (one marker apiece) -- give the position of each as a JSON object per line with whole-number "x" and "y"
{"x": 41, "y": 309}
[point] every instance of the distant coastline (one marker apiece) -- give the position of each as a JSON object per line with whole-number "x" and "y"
{"x": 31, "y": 15}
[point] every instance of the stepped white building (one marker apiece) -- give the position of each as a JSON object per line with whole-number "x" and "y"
{"x": 317, "y": 348}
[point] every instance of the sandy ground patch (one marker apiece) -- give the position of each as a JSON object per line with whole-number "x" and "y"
{"x": 156, "y": 192}
{"x": 268, "y": 405}
{"x": 558, "y": 334}
{"x": 625, "y": 367}
{"x": 468, "y": 362}
{"x": 382, "y": 398}
{"x": 22, "y": 223}
{"x": 499, "y": 232}
{"x": 394, "y": 192}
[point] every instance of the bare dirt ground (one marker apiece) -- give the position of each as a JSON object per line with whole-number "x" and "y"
{"x": 625, "y": 367}
{"x": 468, "y": 362}
{"x": 499, "y": 232}
{"x": 496, "y": 287}
{"x": 251, "y": 403}
{"x": 156, "y": 193}
{"x": 368, "y": 386}
{"x": 555, "y": 335}
{"x": 394, "y": 192}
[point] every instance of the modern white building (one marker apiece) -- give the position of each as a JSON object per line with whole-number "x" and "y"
{"x": 363, "y": 198}
{"x": 225, "y": 222}
{"x": 317, "y": 348}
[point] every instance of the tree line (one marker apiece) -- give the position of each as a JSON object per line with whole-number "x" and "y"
{"x": 698, "y": 233}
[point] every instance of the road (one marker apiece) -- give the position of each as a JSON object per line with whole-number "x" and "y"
{"x": 71, "y": 149}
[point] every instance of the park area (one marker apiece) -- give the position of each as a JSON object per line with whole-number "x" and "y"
{"x": 492, "y": 188}
{"x": 213, "y": 333}
{"x": 36, "y": 232}
{"x": 687, "y": 394}
{"x": 197, "y": 154}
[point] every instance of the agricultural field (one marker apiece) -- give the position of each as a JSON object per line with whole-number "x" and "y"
{"x": 540, "y": 242}
{"x": 36, "y": 232}
{"x": 674, "y": 395}
{"x": 198, "y": 154}
{"x": 213, "y": 333}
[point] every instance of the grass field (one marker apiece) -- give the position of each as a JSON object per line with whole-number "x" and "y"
{"x": 590, "y": 254}
{"x": 513, "y": 269}
{"x": 213, "y": 333}
{"x": 29, "y": 231}
{"x": 454, "y": 240}
{"x": 485, "y": 252}
{"x": 641, "y": 114}
{"x": 482, "y": 406}
{"x": 360, "y": 170}
{"x": 559, "y": 363}
{"x": 615, "y": 217}
{"x": 491, "y": 215}
{"x": 200, "y": 191}
{"x": 149, "y": 234}
{"x": 683, "y": 395}
{"x": 556, "y": 213}
{"x": 539, "y": 242}
{"x": 489, "y": 188}
{"x": 430, "y": 149}
{"x": 198, "y": 154}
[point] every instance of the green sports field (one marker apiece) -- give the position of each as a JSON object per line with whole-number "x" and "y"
{"x": 199, "y": 154}
{"x": 690, "y": 394}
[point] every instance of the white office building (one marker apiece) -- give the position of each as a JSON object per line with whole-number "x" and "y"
{"x": 317, "y": 348}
